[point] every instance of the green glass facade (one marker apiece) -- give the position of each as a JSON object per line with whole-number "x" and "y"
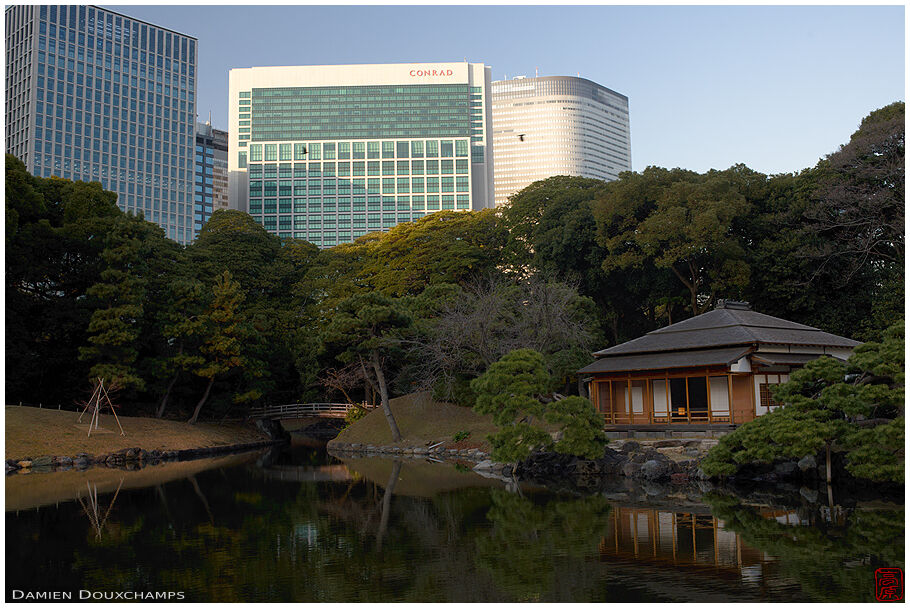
{"x": 330, "y": 164}
{"x": 319, "y": 113}
{"x": 344, "y": 190}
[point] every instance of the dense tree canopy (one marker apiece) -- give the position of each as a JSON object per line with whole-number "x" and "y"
{"x": 567, "y": 266}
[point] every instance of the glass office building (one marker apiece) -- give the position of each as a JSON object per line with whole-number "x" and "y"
{"x": 557, "y": 125}
{"x": 329, "y": 153}
{"x": 93, "y": 95}
{"x": 210, "y": 190}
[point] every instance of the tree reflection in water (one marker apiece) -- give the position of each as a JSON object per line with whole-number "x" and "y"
{"x": 241, "y": 534}
{"x": 833, "y": 562}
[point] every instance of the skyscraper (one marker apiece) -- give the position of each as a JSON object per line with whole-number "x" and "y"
{"x": 329, "y": 153}
{"x": 211, "y": 185}
{"x": 97, "y": 96}
{"x": 557, "y": 125}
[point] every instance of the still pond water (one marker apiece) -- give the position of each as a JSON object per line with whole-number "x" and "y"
{"x": 299, "y": 525}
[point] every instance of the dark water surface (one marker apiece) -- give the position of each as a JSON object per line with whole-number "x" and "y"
{"x": 299, "y": 525}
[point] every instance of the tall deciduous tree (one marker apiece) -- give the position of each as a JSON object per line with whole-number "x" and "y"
{"x": 364, "y": 329}
{"x": 444, "y": 247}
{"x": 858, "y": 204}
{"x": 553, "y": 233}
{"x": 55, "y": 233}
{"x": 680, "y": 221}
{"x": 476, "y": 326}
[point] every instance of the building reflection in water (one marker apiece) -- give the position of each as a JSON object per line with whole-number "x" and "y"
{"x": 688, "y": 541}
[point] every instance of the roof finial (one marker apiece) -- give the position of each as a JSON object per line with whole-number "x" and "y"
{"x": 733, "y": 305}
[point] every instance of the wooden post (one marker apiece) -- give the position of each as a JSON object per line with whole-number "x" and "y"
{"x": 708, "y": 387}
{"x": 730, "y": 397}
{"x": 694, "y": 548}
{"x": 674, "y": 536}
{"x": 688, "y": 409}
{"x": 752, "y": 397}
{"x": 714, "y": 525}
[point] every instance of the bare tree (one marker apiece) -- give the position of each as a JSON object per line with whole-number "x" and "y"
{"x": 494, "y": 316}
{"x": 858, "y": 205}
{"x": 344, "y": 379}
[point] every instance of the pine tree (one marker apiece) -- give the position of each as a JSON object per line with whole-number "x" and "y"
{"x": 116, "y": 323}
{"x": 827, "y": 409}
{"x": 364, "y": 330}
{"x": 225, "y": 332}
{"x": 511, "y": 390}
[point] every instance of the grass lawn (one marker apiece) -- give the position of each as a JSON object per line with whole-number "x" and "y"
{"x": 33, "y": 432}
{"x": 27, "y": 491}
{"x": 420, "y": 420}
{"x": 417, "y": 477}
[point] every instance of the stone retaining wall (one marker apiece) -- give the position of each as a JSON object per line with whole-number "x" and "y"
{"x": 439, "y": 452}
{"x": 129, "y": 458}
{"x": 658, "y": 460}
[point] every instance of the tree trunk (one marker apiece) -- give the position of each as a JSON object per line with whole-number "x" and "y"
{"x": 384, "y": 395}
{"x": 387, "y": 504}
{"x": 828, "y": 463}
{"x": 167, "y": 395}
{"x": 202, "y": 401}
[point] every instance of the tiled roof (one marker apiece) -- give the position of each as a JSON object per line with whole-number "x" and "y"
{"x": 696, "y": 358}
{"x": 726, "y": 327}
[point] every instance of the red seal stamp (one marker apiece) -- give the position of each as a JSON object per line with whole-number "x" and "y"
{"x": 889, "y": 584}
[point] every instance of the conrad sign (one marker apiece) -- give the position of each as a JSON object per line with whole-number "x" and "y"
{"x": 430, "y": 73}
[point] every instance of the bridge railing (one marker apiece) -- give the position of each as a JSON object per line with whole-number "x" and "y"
{"x": 304, "y": 410}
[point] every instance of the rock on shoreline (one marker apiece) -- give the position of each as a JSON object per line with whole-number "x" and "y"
{"x": 671, "y": 460}
{"x": 128, "y": 458}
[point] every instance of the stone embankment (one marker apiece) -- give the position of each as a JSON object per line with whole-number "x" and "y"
{"x": 438, "y": 451}
{"x": 129, "y": 458}
{"x": 674, "y": 460}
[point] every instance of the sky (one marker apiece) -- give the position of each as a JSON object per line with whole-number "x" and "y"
{"x": 773, "y": 87}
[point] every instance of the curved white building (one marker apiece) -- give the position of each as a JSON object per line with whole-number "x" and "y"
{"x": 556, "y": 125}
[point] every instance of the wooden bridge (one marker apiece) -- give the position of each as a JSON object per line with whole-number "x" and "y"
{"x": 305, "y": 410}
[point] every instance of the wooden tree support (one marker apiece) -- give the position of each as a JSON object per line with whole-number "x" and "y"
{"x": 96, "y": 402}
{"x": 92, "y": 509}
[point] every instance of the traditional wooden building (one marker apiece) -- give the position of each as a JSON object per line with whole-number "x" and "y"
{"x": 712, "y": 371}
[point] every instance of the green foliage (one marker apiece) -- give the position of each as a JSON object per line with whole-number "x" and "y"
{"x": 365, "y": 324}
{"x": 353, "y": 415}
{"x": 525, "y": 536}
{"x": 567, "y": 266}
{"x": 365, "y": 329}
{"x": 511, "y": 390}
{"x": 822, "y": 410}
{"x": 460, "y": 436}
{"x": 120, "y": 295}
{"x": 582, "y": 427}
{"x": 444, "y": 247}
{"x": 816, "y": 557}
{"x": 680, "y": 221}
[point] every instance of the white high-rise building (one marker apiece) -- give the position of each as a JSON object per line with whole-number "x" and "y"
{"x": 557, "y": 125}
{"x": 328, "y": 153}
{"x": 94, "y": 95}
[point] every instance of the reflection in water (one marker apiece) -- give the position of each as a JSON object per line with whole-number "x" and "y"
{"x": 91, "y": 507}
{"x": 301, "y": 526}
{"x": 697, "y": 543}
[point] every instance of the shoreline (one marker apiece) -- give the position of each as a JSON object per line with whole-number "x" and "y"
{"x": 128, "y": 458}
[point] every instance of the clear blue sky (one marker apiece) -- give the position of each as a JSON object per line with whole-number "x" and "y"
{"x": 774, "y": 87}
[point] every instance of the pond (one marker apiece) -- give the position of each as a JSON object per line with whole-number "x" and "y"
{"x": 296, "y": 524}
